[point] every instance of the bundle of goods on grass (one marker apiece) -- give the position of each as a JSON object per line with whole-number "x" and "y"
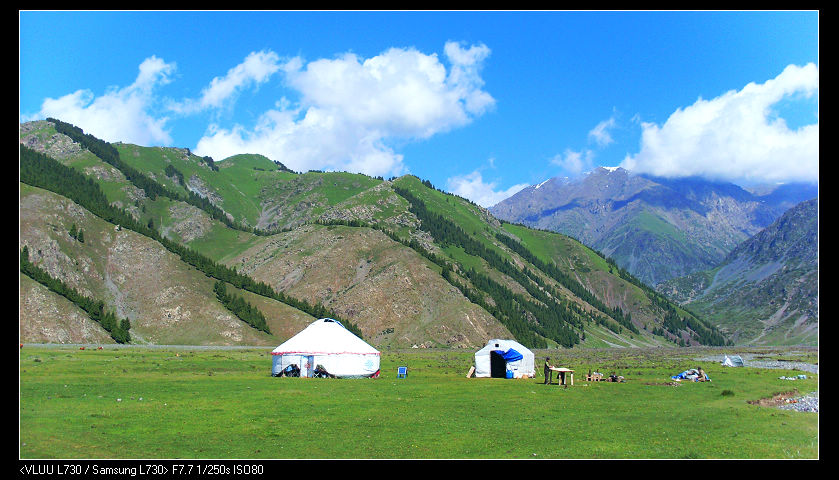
{"x": 289, "y": 371}
{"x": 321, "y": 372}
{"x": 693, "y": 374}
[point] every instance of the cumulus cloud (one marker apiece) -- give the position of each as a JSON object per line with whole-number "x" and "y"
{"x": 473, "y": 187}
{"x": 600, "y": 133}
{"x": 257, "y": 68}
{"x": 350, "y": 108}
{"x": 120, "y": 114}
{"x": 736, "y": 136}
{"x": 316, "y": 141}
{"x": 465, "y": 76}
{"x": 574, "y": 162}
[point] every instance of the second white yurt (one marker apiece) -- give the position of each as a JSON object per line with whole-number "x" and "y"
{"x": 325, "y": 349}
{"x": 505, "y": 359}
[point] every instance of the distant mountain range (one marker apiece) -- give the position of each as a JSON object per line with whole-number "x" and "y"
{"x": 766, "y": 291}
{"x": 655, "y": 228}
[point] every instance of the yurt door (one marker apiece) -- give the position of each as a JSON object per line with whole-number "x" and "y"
{"x": 497, "y": 365}
{"x": 307, "y": 366}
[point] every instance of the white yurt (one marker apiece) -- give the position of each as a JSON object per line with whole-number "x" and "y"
{"x": 499, "y": 357}
{"x": 327, "y": 344}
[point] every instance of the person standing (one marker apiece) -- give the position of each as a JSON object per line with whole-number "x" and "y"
{"x": 548, "y": 372}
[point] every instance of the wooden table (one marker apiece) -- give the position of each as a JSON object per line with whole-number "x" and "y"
{"x": 561, "y": 375}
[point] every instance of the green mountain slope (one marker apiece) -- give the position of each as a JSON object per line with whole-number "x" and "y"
{"x": 166, "y": 300}
{"x": 766, "y": 289}
{"x": 249, "y": 188}
{"x": 404, "y": 263}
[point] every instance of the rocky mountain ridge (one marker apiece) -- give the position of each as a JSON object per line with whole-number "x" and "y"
{"x": 656, "y": 228}
{"x": 767, "y": 289}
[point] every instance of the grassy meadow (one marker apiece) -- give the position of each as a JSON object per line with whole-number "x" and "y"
{"x": 193, "y": 403}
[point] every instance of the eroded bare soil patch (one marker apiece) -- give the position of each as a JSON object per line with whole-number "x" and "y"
{"x": 775, "y": 400}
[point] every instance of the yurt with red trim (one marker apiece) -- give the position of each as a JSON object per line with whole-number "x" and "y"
{"x": 325, "y": 349}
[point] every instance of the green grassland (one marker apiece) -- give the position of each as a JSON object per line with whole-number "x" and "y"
{"x": 192, "y": 403}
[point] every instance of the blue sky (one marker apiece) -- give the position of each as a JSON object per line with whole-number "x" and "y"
{"x": 479, "y": 103}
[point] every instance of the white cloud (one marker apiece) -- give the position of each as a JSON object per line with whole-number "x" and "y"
{"x": 319, "y": 141}
{"x": 350, "y": 108}
{"x": 736, "y": 136}
{"x": 465, "y": 76}
{"x": 121, "y": 114}
{"x": 574, "y": 162}
{"x": 600, "y": 133}
{"x": 473, "y": 187}
{"x": 257, "y": 68}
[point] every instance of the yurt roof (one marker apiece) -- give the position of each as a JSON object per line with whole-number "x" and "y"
{"x": 325, "y": 337}
{"x": 504, "y": 345}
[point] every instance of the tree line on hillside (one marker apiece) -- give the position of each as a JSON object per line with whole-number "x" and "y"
{"x": 672, "y": 323}
{"x": 568, "y": 282}
{"x": 702, "y": 331}
{"x": 549, "y": 317}
{"x": 556, "y": 316}
{"x": 529, "y": 322}
{"x": 95, "y": 309}
{"x": 241, "y": 308}
{"x": 554, "y": 322}
{"x": 40, "y": 170}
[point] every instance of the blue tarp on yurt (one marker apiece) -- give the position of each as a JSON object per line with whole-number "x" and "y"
{"x": 511, "y": 355}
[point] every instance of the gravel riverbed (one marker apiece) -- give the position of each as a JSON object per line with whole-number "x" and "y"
{"x": 805, "y": 403}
